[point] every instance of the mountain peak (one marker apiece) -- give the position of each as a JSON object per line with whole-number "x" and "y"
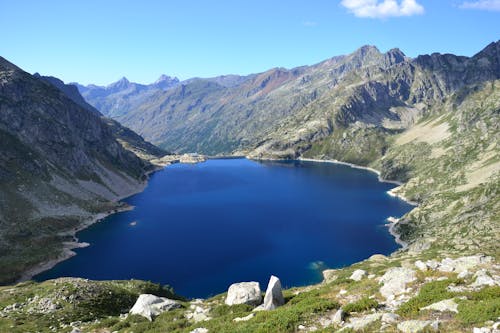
{"x": 122, "y": 83}
{"x": 165, "y": 82}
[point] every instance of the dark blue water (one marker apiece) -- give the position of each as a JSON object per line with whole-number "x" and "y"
{"x": 202, "y": 227}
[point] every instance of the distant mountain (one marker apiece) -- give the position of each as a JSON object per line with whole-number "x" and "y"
{"x": 281, "y": 112}
{"x": 128, "y": 138}
{"x": 60, "y": 165}
{"x": 122, "y": 96}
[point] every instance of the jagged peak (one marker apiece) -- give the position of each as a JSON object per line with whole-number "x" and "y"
{"x": 167, "y": 78}
{"x": 491, "y": 50}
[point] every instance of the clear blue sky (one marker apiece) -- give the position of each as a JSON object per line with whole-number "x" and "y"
{"x": 100, "y": 41}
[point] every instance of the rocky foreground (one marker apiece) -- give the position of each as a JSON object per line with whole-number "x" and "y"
{"x": 403, "y": 293}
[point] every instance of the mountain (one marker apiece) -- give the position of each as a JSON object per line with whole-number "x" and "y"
{"x": 280, "y": 112}
{"x": 122, "y": 96}
{"x": 60, "y": 165}
{"x": 128, "y": 138}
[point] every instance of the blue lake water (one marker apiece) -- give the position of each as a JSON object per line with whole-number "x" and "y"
{"x": 201, "y": 227}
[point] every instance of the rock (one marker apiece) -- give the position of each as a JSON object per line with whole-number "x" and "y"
{"x": 274, "y": 295}
{"x": 446, "y": 305}
{"x": 463, "y": 263}
{"x": 360, "y": 323}
{"x": 464, "y": 275}
{"x": 198, "y": 313}
{"x": 246, "y": 318}
{"x": 244, "y": 293}
{"x": 394, "y": 281}
{"x": 432, "y": 264}
{"x": 483, "y": 279}
{"x": 357, "y": 275}
{"x": 416, "y": 326}
{"x": 200, "y": 330}
{"x": 377, "y": 257}
{"x": 76, "y": 330}
{"x": 421, "y": 265}
{"x": 338, "y": 317}
{"x": 390, "y": 318}
{"x": 329, "y": 275}
{"x": 481, "y": 330}
{"x": 150, "y": 306}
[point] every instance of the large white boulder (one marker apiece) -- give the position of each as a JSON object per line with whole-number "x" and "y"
{"x": 394, "y": 281}
{"x": 360, "y": 323}
{"x": 244, "y": 293}
{"x": 274, "y": 294}
{"x": 150, "y": 306}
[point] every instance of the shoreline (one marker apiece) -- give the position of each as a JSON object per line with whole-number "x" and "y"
{"x": 68, "y": 247}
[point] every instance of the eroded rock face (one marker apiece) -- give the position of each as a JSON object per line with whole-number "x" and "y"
{"x": 360, "y": 323}
{"x": 274, "y": 294}
{"x": 244, "y": 293}
{"x": 463, "y": 263}
{"x": 150, "y": 306}
{"x": 395, "y": 280}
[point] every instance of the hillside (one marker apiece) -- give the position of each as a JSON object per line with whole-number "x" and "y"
{"x": 60, "y": 166}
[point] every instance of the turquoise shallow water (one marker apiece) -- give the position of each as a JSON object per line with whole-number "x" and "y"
{"x": 201, "y": 227}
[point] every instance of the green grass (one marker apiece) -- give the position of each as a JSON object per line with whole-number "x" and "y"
{"x": 480, "y": 306}
{"x": 431, "y": 292}
{"x": 363, "y": 304}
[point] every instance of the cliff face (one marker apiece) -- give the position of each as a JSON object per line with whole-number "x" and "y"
{"x": 59, "y": 165}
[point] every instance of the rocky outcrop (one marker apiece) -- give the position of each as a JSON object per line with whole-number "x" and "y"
{"x": 447, "y": 305}
{"x": 244, "y": 293}
{"x": 274, "y": 295}
{"x": 394, "y": 281}
{"x": 357, "y": 275}
{"x": 150, "y": 306}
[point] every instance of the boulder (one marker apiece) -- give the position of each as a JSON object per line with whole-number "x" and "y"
{"x": 329, "y": 275}
{"x": 446, "y": 305}
{"x": 200, "y": 330}
{"x": 150, "y": 306}
{"x": 246, "y": 318}
{"x": 483, "y": 279}
{"x": 421, "y": 265}
{"x": 274, "y": 294}
{"x": 394, "y": 281}
{"x": 244, "y": 293}
{"x": 390, "y": 318}
{"x": 463, "y": 263}
{"x": 338, "y": 317}
{"x": 360, "y": 323}
{"x": 357, "y": 275}
{"x": 416, "y": 326}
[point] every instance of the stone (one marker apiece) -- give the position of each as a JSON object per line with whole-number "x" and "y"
{"x": 244, "y": 293}
{"x": 338, "y": 317}
{"x": 443, "y": 306}
{"x": 200, "y": 330}
{"x": 329, "y": 275}
{"x": 360, "y": 323}
{"x": 150, "y": 306}
{"x": 274, "y": 295}
{"x": 432, "y": 264}
{"x": 246, "y": 318}
{"x": 394, "y": 281}
{"x": 464, "y": 275}
{"x": 357, "y": 275}
{"x": 421, "y": 265}
{"x": 377, "y": 257}
{"x": 390, "y": 318}
{"x": 76, "y": 330}
{"x": 416, "y": 326}
{"x": 483, "y": 279}
{"x": 481, "y": 330}
{"x": 463, "y": 263}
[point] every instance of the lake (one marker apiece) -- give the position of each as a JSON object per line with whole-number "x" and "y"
{"x": 201, "y": 227}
